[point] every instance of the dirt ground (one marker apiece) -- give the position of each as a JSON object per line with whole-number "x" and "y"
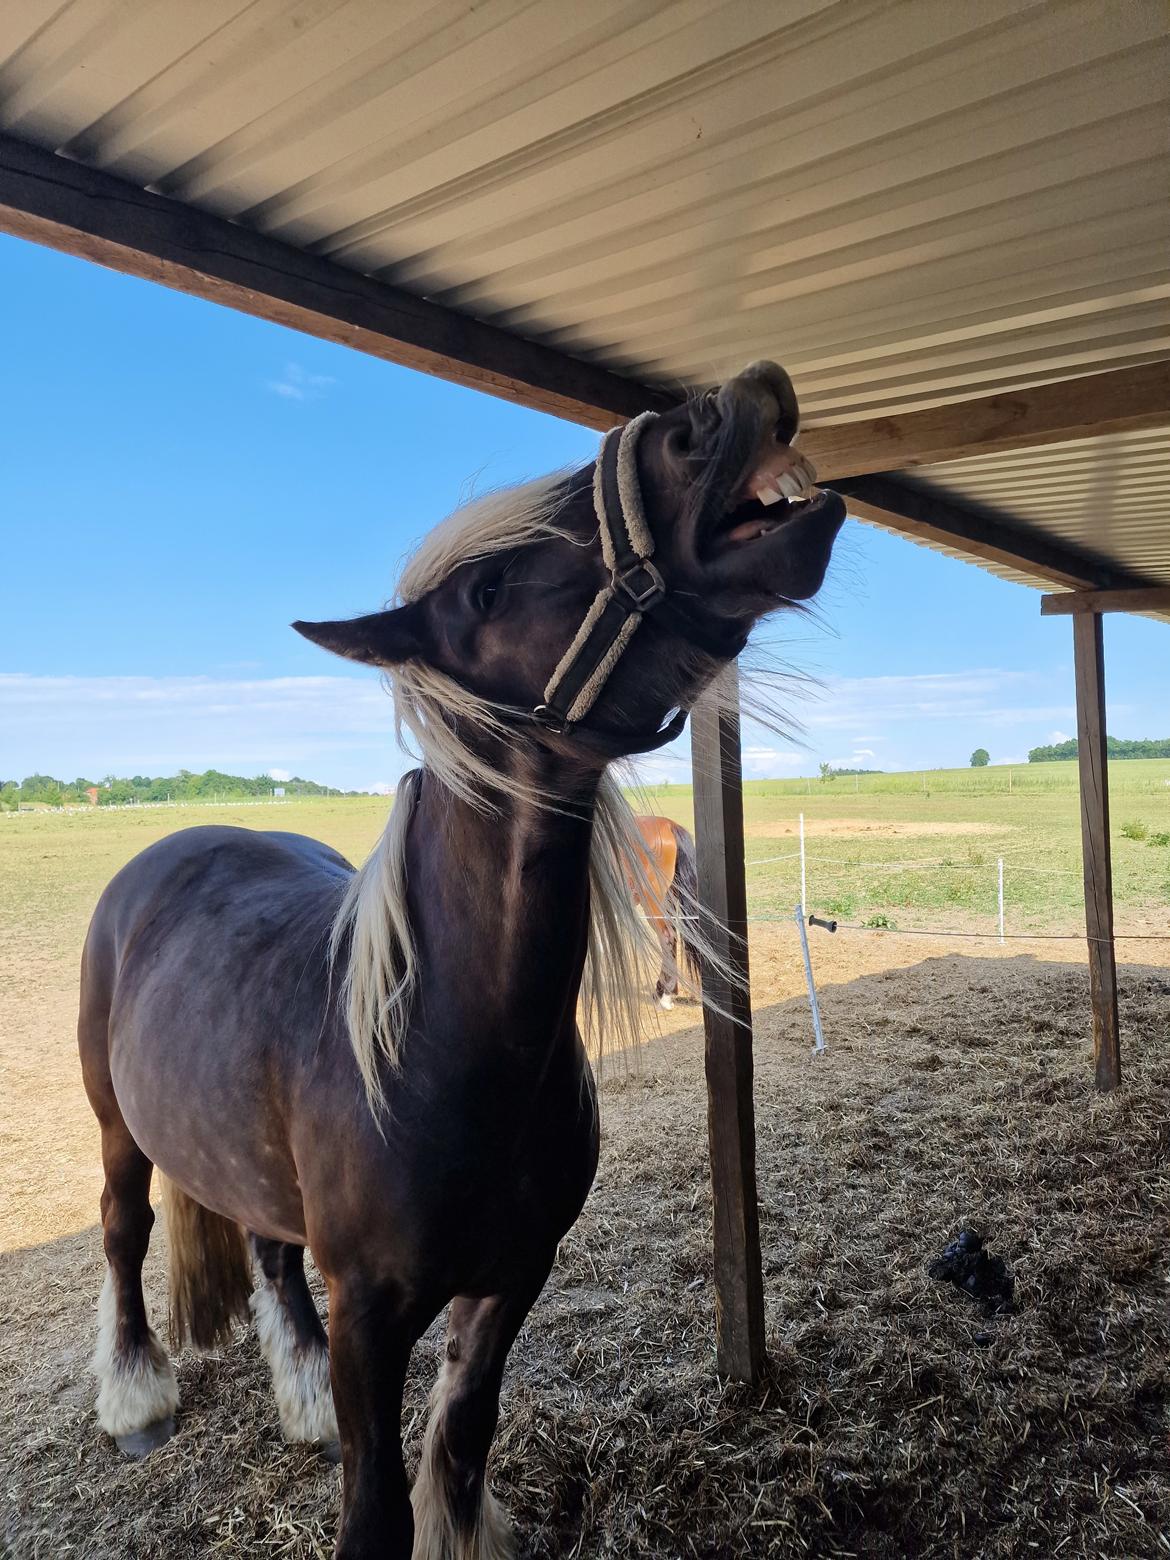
{"x": 893, "y": 1420}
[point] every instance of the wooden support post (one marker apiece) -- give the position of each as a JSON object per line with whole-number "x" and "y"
{"x": 1089, "y": 661}
{"x": 739, "y": 1288}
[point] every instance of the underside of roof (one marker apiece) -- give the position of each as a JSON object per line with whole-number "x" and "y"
{"x": 1109, "y": 496}
{"x": 907, "y": 204}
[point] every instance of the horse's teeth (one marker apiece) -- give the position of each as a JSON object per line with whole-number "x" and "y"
{"x": 767, "y": 494}
{"x": 791, "y": 485}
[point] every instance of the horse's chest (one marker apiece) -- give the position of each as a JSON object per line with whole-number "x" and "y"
{"x": 511, "y": 1185}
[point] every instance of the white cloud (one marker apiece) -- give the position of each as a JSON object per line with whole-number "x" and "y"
{"x": 297, "y": 384}
{"x": 761, "y": 762}
{"x": 329, "y": 728}
{"x": 927, "y": 696}
{"x": 338, "y": 729}
{"x": 279, "y": 775}
{"x": 1058, "y": 736}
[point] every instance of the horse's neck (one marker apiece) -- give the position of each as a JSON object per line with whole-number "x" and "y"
{"x": 500, "y": 905}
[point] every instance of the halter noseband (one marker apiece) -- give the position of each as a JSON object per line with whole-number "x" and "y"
{"x": 634, "y": 588}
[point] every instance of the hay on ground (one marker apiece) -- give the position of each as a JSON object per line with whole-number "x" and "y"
{"x": 895, "y": 1418}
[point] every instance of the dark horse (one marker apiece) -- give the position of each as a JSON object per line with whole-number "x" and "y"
{"x": 386, "y": 1066}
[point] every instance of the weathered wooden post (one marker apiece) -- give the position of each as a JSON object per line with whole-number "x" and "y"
{"x": 1085, "y": 607}
{"x": 718, "y": 787}
{"x": 1092, "y": 756}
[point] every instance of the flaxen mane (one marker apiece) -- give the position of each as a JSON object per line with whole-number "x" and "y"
{"x": 372, "y": 935}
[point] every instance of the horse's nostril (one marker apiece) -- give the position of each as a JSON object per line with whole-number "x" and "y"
{"x": 768, "y": 377}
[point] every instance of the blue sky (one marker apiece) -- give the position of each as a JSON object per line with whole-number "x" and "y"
{"x": 178, "y": 481}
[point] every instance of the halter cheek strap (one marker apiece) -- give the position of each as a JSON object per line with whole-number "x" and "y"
{"x": 634, "y": 588}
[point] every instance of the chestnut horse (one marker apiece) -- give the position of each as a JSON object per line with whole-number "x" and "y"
{"x": 669, "y": 896}
{"x": 385, "y": 1065}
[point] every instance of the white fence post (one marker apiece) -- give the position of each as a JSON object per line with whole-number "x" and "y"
{"x": 1001, "y": 901}
{"x": 803, "y": 877}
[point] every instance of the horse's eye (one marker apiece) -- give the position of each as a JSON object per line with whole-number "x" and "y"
{"x": 485, "y": 596}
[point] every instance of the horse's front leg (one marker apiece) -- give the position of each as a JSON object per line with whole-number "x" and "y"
{"x": 456, "y": 1515}
{"x": 370, "y": 1339}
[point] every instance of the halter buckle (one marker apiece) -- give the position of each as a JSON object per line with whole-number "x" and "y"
{"x": 642, "y": 595}
{"x": 544, "y": 715}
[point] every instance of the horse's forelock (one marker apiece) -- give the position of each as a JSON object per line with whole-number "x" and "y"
{"x": 494, "y": 522}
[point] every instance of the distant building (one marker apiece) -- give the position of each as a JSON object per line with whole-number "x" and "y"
{"x": 92, "y": 792}
{"x": 278, "y": 790}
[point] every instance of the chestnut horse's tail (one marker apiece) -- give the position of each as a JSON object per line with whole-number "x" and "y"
{"x": 209, "y": 1271}
{"x": 684, "y": 902}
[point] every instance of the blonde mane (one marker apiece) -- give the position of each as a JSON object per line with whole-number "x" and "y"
{"x": 372, "y": 932}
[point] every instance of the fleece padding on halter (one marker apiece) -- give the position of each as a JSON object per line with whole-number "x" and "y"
{"x": 634, "y": 586}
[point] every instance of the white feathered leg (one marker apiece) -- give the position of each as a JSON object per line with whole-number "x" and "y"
{"x": 300, "y": 1372}
{"x": 137, "y": 1390}
{"x": 443, "y": 1531}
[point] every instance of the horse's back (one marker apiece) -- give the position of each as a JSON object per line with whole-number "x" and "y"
{"x": 209, "y": 862}
{"x": 205, "y": 988}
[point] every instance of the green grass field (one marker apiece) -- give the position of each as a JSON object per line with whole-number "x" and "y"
{"x": 922, "y": 849}
{"x": 880, "y": 848}
{"x": 1127, "y": 777}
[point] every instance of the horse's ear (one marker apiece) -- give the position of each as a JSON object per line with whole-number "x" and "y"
{"x": 378, "y": 639}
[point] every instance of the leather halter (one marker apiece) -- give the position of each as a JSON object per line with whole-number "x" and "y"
{"x": 634, "y": 588}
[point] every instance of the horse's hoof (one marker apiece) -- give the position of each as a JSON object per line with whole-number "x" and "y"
{"x": 330, "y": 1451}
{"x": 140, "y": 1443}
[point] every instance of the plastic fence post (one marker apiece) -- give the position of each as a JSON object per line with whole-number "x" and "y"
{"x": 819, "y": 1047}
{"x": 1001, "y": 901}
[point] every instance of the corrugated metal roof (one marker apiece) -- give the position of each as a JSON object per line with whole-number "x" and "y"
{"x": 1108, "y": 495}
{"x": 906, "y": 203}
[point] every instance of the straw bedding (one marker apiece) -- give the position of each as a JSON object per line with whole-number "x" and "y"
{"x": 895, "y": 1418}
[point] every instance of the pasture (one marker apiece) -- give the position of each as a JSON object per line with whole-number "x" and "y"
{"x": 895, "y": 1418}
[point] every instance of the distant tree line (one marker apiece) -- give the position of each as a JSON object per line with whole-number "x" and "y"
{"x": 830, "y": 771}
{"x": 116, "y": 790}
{"x": 1116, "y": 747}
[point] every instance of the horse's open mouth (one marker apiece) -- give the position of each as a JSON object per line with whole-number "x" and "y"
{"x": 752, "y": 519}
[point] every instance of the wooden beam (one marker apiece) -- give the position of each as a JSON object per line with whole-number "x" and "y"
{"x": 82, "y": 211}
{"x": 85, "y": 212}
{"x": 1089, "y": 663}
{"x": 718, "y": 787}
{"x": 930, "y": 516}
{"x": 1144, "y": 598}
{"x": 1123, "y": 400}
